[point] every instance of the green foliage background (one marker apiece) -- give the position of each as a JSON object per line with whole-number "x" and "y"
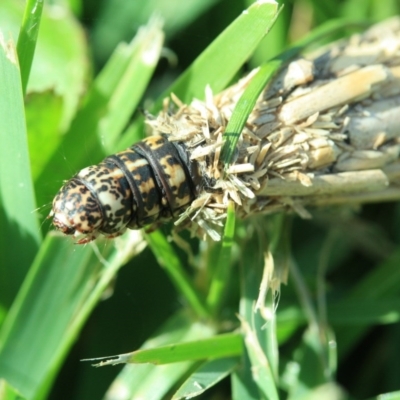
{"x": 337, "y": 321}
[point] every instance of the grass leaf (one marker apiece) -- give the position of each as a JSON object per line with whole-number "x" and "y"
{"x": 220, "y": 346}
{"x": 18, "y": 222}
{"x": 205, "y": 377}
{"x": 218, "y": 64}
{"x": 37, "y": 332}
{"x": 27, "y": 38}
{"x": 157, "y": 380}
{"x": 223, "y": 266}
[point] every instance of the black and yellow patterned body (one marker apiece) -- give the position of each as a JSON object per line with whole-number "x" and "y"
{"x": 153, "y": 180}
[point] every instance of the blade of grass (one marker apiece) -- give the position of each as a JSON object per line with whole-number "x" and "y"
{"x": 35, "y": 328}
{"x": 243, "y": 384}
{"x": 244, "y": 107}
{"x": 267, "y": 333}
{"x": 259, "y": 372}
{"x": 155, "y": 381}
{"x": 167, "y": 258}
{"x": 148, "y": 381}
{"x": 312, "y": 372}
{"x": 129, "y": 91}
{"x": 220, "y": 346}
{"x": 223, "y": 267}
{"x": 19, "y": 228}
{"x": 275, "y": 42}
{"x": 314, "y": 353}
{"x": 205, "y": 377}
{"x": 261, "y": 367}
{"x": 27, "y": 38}
{"x": 218, "y": 64}
{"x": 38, "y": 332}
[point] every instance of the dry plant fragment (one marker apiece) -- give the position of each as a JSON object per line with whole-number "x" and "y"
{"x": 324, "y": 131}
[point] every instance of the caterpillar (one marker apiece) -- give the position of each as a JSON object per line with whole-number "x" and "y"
{"x": 153, "y": 180}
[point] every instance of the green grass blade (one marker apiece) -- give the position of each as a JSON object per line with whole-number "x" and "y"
{"x": 244, "y": 107}
{"x": 35, "y": 328}
{"x": 317, "y": 358}
{"x": 268, "y": 335}
{"x": 18, "y": 222}
{"x": 258, "y": 316}
{"x": 205, "y": 377}
{"x": 276, "y": 41}
{"x": 257, "y": 375}
{"x": 155, "y": 381}
{"x": 263, "y": 373}
{"x": 242, "y": 382}
{"x": 224, "y": 266}
{"x": 63, "y": 286}
{"x": 218, "y": 64}
{"x": 225, "y": 345}
{"x": 27, "y": 38}
{"x": 147, "y": 381}
{"x": 147, "y": 47}
{"x": 168, "y": 259}
{"x": 312, "y": 371}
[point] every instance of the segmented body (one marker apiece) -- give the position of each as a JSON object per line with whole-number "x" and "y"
{"x": 153, "y": 180}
